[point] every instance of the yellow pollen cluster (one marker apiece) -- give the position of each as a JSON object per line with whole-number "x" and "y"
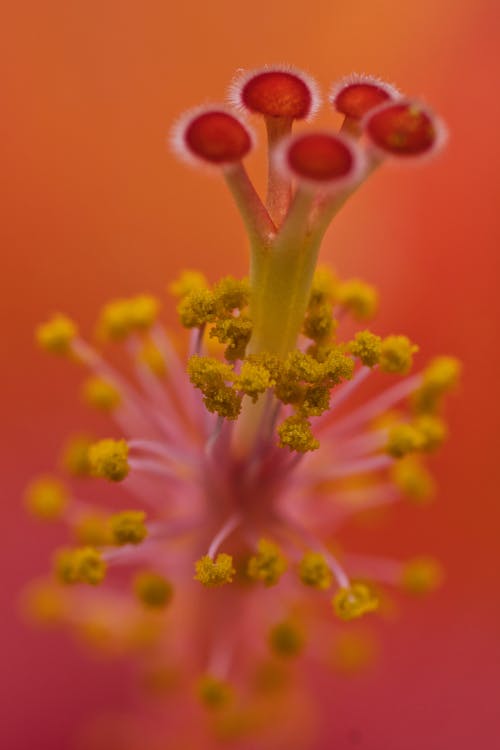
{"x": 212, "y": 377}
{"x": 432, "y": 430}
{"x": 152, "y": 357}
{"x": 360, "y": 298}
{"x": 214, "y": 693}
{"x": 80, "y": 565}
{"x": 152, "y": 589}
{"x": 188, "y": 281}
{"x": 367, "y": 347}
{"x": 93, "y": 530}
{"x": 403, "y": 439}
{"x": 319, "y": 324}
{"x": 56, "y": 335}
{"x": 197, "y": 308}
{"x": 314, "y": 571}
{"x": 109, "y": 459}
{"x": 353, "y": 652}
{"x": 215, "y": 572}
{"x": 413, "y": 479}
{"x": 426, "y": 433}
{"x": 268, "y": 565}
{"x": 231, "y": 294}
{"x": 355, "y": 601}
{"x": 421, "y": 575}
{"x": 101, "y": 394}
{"x": 75, "y": 456}
{"x": 44, "y": 603}
{"x": 121, "y": 317}
{"x": 396, "y": 354}
{"x": 439, "y": 377}
{"x": 253, "y": 379}
{"x": 286, "y": 639}
{"x": 128, "y": 527}
{"x": 324, "y": 287}
{"x": 47, "y": 498}
{"x": 295, "y": 433}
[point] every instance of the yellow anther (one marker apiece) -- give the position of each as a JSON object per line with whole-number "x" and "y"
{"x": 101, "y": 394}
{"x": 211, "y": 377}
{"x": 314, "y": 571}
{"x": 439, "y": 377}
{"x": 231, "y": 294}
{"x": 44, "y": 603}
{"x": 47, "y": 498}
{"x": 396, "y": 354}
{"x": 353, "y": 652}
{"x": 355, "y": 601}
{"x": 316, "y": 401}
{"x": 403, "y": 439}
{"x": 93, "y": 530}
{"x": 269, "y": 362}
{"x": 299, "y": 366}
{"x": 286, "y": 639}
{"x": 253, "y": 380}
{"x": 366, "y": 346}
{"x": 336, "y": 367}
{"x": 188, "y": 281}
{"x": 432, "y": 430}
{"x": 143, "y": 311}
{"x": 215, "y": 572}
{"x": 80, "y": 565}
{"x": 152, "y": 589}
{"x": 235, "y": 332}
{"x": 413, "y": 479}
{"x": 422, "y": 575}
{"x": 109, "y": 459}
{"x": 75, "y": 456}
{"x": 121, "y": 317}
{"x": 324, "y": 287}
{"x": 295, "y": 433}
{"x": 56, "y": 335}
{"x": 360, "y": 298}
{"x": 128, "y": 527}
{"x": 268, "y": 565}
{"x": 197, "y": 309}
{"x": 115, "y": 320}
{"x": 214, "y": 693}
{"x": 152, "y": 357}
{"x": 319, "y": 324}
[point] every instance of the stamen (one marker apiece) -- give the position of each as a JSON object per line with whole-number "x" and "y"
{"x": 377, "y": 405}
{"x": 352, "y": 468}
{"x": 227, "y": 529}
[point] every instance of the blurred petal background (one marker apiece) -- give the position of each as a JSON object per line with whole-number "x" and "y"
{"x": 93, "y": 205}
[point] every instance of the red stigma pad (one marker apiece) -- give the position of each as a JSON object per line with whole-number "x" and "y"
{"x": 402, "y": 129}
{"x": 320, "y": 157}
{"x": 277, "y": 94}
{"x": 218, "y": 137}
{"x": 357, "y": 99}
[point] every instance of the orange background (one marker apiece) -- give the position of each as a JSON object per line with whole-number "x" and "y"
{"x": 93, "y": 206}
